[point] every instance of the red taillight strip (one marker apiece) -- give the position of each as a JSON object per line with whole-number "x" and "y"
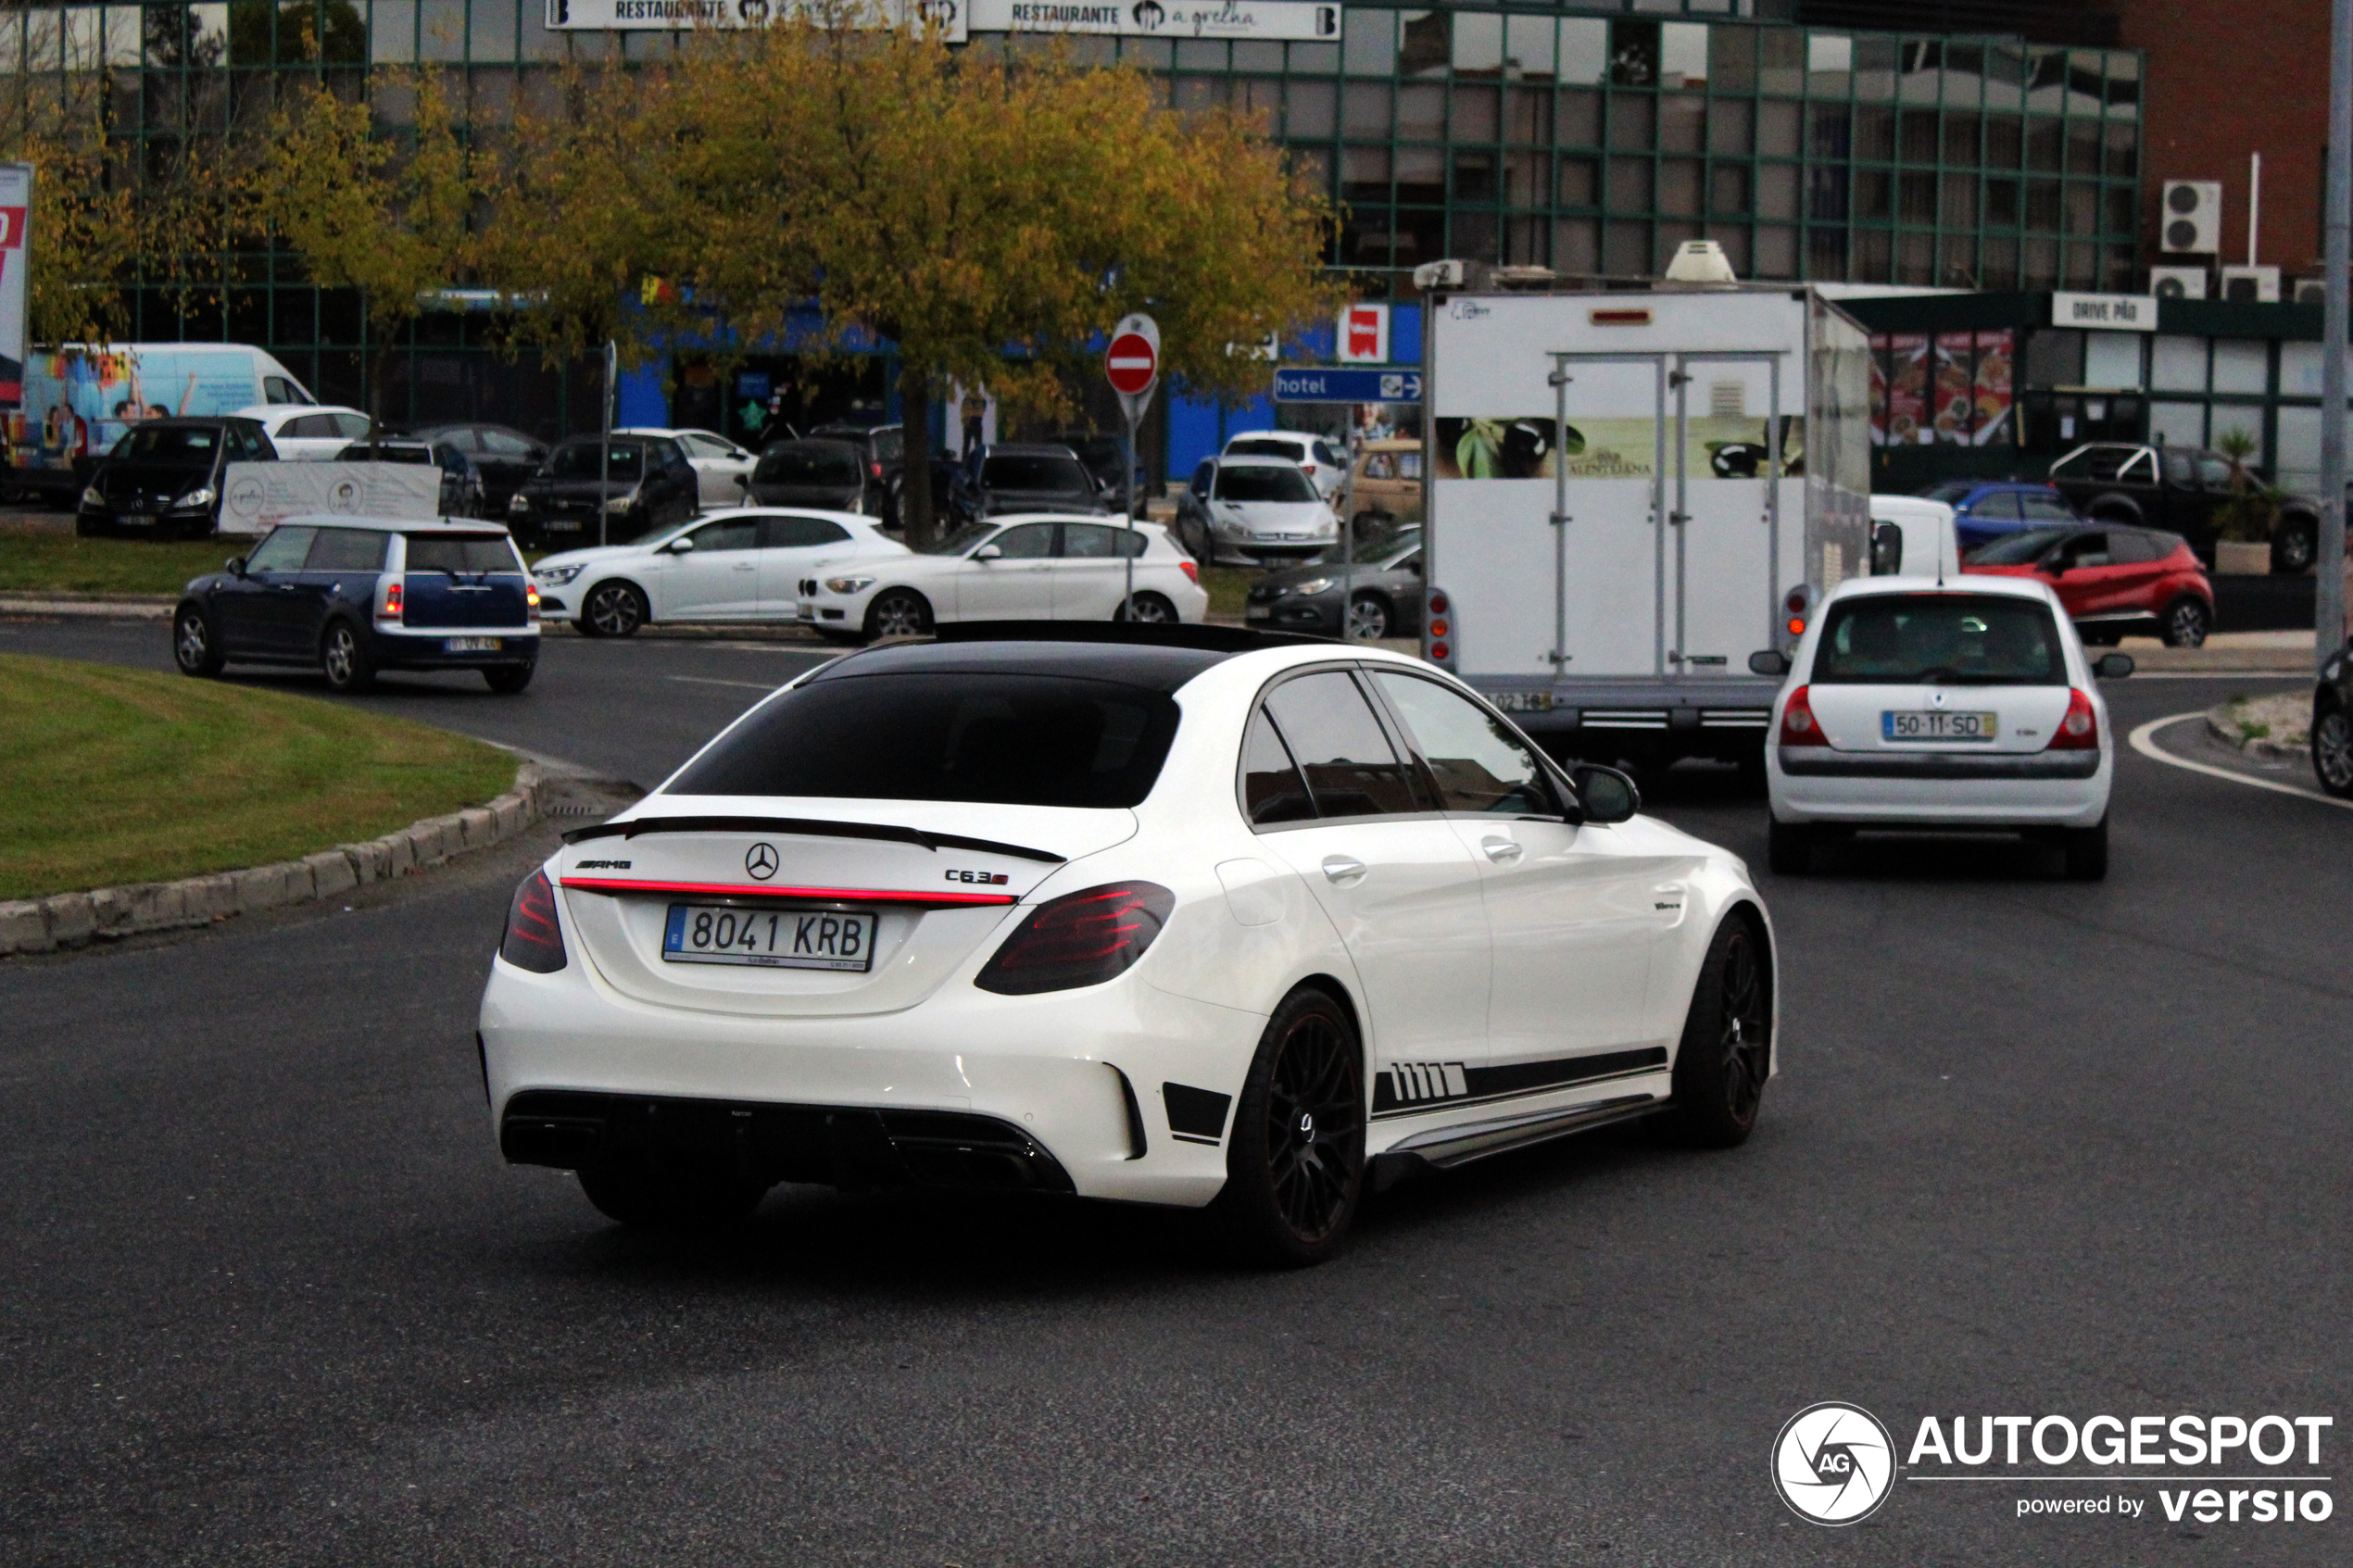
{"x": 753, "y": 890}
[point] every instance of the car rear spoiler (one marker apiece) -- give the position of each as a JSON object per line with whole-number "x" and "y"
{"x": 810, "y": 828}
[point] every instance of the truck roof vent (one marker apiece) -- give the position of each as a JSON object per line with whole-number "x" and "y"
{"x": 1701, "y": 261}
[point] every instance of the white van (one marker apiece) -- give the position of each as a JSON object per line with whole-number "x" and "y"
{"x": 79, "y": 399}
{"x": 1913, "y": 537}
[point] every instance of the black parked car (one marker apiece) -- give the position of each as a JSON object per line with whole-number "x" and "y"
{"x": 647, "y": 483}
{"x": 503, "y": 457}
{"x": 164, "y": 477}
{"x": 1106, "y": 458}
{"x": 461, "y": 487}
{"x": 953, "y": 498}
{"x": 827, "y": 474}
{"x": 1383, "y": 595}
{"x": 355, "y": 594}
{"x": 2179, "y": 489}
{"x": 883, "y": 451}
{"x": 1037, "y": 477}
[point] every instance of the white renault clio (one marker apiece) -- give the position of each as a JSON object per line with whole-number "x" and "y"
{"x": 1174, "y": 915}
{"x": 1921, "y": 703}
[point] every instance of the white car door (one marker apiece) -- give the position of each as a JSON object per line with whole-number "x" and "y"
{"x": 790, "y": 547}
{"x": 1333, "y": 800}
{"x": 719, "y": 579}
{"x": 1017, "y": 583}
{"x": 718, "y": 466}
{"x": 1575, "y": 913}
{"x": 1091, "y": 574}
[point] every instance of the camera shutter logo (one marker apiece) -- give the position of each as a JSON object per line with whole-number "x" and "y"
{"x": 1834, "y": 1463}
{"x": 761, "y": 862}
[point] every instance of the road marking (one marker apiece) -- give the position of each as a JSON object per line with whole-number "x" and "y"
{"x": 2144, "y": 742}
{"x": 708, "y": 680}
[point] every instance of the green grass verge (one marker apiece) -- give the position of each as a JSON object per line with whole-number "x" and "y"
{"x": 1228, "y": 587}
{"x": 110, "y": 776}
{"x": 60, "y": 563}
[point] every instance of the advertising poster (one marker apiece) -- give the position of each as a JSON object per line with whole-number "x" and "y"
{"x": 1996, "y": 352}
{"x": 945, "y": 17}
{"x": 262, "y": 496}
{"x": 1908, "y": 374}
{"x": 1714, "y": 447}
{"x": 1153, "y": 19}
{"x": 78, "y": 402}
{"x": 1956, "y": 406}
{"x": 15, "y": 256}
{"x": 1879, "y": 390}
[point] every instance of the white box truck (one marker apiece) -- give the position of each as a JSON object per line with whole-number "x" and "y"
{"x": 1630, "y": 494}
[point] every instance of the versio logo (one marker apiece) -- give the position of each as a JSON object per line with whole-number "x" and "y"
{"x": 1834, "y": 1463}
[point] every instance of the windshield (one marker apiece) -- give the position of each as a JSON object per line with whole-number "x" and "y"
{"x": 1062, "y": 476}
{"x": 461, "y": 553}
{"x": 1267, "y": 483}
{"x": 384, "y": 452}
{"x": 577, "y": 460}
{"x": 1263, "y": 447}
{"x": 788, "y": 464}
{"x": 2017, "y": 549}
{"x": 1007, "y": 739}
{"x": 179, "y": 445}
{"x": 1957, "y": 639}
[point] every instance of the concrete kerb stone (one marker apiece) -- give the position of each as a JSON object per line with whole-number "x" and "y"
{"x": 71, "y": 920}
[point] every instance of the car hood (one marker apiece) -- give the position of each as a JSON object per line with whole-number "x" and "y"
{"x": 577, "y": 489}
{"x": 1272, "y": 514}
{"x": 1058, "y": 501}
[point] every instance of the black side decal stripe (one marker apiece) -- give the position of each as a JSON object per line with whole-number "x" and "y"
{"x": 1404, "y": 1088}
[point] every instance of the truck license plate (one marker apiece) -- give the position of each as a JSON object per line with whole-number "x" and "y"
{"x": 1939, "y": 726}
{"x": 769, "y": 938}
{"x": 1523, "y": 702}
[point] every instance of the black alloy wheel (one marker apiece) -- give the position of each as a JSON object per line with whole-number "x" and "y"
{"x": 1727, "y": 1052}
{"x": 2185, "y": 623}
{"x": 1368, "y": 617}
{"x": 2293, "y": 548}
{"x": 2332, "y": 750}
{"x": 897, "y": 613}
{"x": 344, "y": 660}
{"x": 195, "y": 647}
{"x": 613, "y": 609}
{"x": 1149, "y": 609}
{"x": 1295, "y": 1161}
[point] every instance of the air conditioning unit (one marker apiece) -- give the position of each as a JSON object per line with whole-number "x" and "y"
{"x": 2311, "y": 291}
{"x": 2178, "y": 282}
{"x": 2193, "y": 217}
{"x": 2249, "y": 284}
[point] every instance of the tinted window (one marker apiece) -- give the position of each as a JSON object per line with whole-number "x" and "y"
{"x": 1478, "y": 763}
{"x": 345, "y": 424}
{"x": 2164, "y": 544}
{"x": 317, "y": 426}
{"x": 1325, "y": 455}
{"x": 1025, "y": 740}
{"x": 2083, "y": 550}
{"x": 282, "y": 551}
{"x": 1264, "y": 484}
{"x": 277, "y": 389}
{"x": 2045, "y": 509}
{"x": 462, "y": 552}
{"x": 788, "y": 463}
{"x": 700, "y": 446}
{"x": 505, "y": 444}
{"x": 2017, "y": 549}
{"x": 2000, "y": 506}
{"x": 2126, "y": 547}
{"x": 1263, "y": 446}
{"x": 1967, "y": 639}
{"x": 1031, "y": 541}
{"x": 735, "y": 533}
{"x": 1201, "y": 470}
{"x": 1351, "y": 768}
{"x": 1272, "y": 789}
{"x": 799, "y": 532}
{"x": 890, "y": 445}
{"x": 1093, "y": 541}
{"x": 346, "y": 549}
{"x": 577, "y": 460}
{"x": 2178, "y": 469}
{"x": 1061, "y": 476}
{"x": 1380, "y": 465}
{"x": 958, "y": 542}
{"x": 2214, "y": 473}
{"x": 178, "y": 445}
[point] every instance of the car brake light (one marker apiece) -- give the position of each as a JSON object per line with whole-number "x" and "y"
{"x": 531, "y": 598}
{"x": 392, "y": 602}
{"x": 1081, "y": 938}
{"x": 877, "y": 467}
{"x": 1189, "y": 568}
{"x": 1799, "y": 726}
{"x": 534, "y": 940}
{"x": 2080, "y": 731}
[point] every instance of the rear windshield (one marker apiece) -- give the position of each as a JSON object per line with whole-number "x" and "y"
{"x": 807, "y": 465}
{"x": 1264, "y": 484}
{"x": 1062, "y": 476}
{"x": 577, "y": 460}
{"x": 1950, "y": 491}
{"x": 2017, "y": 549}
{"x": 1963, "y": 639}
{"x": 1008, "y": 739}
{"x": 186, "y": 445}
{"x": 462, "y": 552}
{"x": 384, "y": 452}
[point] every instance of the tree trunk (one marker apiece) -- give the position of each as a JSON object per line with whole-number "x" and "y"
{"x": 914, "y": 490}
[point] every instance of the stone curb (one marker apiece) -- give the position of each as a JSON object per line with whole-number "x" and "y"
{"x": 103, "y": 610}
{"x": 2262, "y": 749}
{"x": 72, "y": 920}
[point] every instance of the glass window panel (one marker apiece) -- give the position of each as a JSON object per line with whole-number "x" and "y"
{"x": 1874, "y": 134}
{"x": 2178, "y": 364}
{"x": 1154, "y": 54}
{"x": 392, "y": 30}
{"x": 1873, "y": 257}
{"x": 1261, "y": 97}
{"x": 1916, "y": 198}
{"x": 1729, "y": 125}
{"x": 2178, "y": 425}
{"x": 1527, "y": 116}
{"x": 1475, "y": 237}
{"x": 1875, "y": 68}
{"x": 1577, "y": 245}
{"x": 1630, "y": 185}
{"x": 1728, "y": 188}
{"x": 1248, "y": 54}
{"x": 1734, "y": 237}
{"x": 1918, "y": 139}
{"x": 1997, "y": 264}
{"x": 2042, "y": 204}
{"x": 1672, "y": 237}
{"x": 2120, "y": 205}
{"x": 2083, "y": 146}
{"x": 1580, "y": 182}
{"x": 1584, "y": 49}
{"x": 2001, "y": 207}
{"x": 2082, "y": 208}
{"x": 1363, "y": 174}
{"x": 1477, "y": 113}
{"x": 1364, "y": 237}
{"x": 2005, "y": 142}
{"x": 2112, "y": 359}
{"x": 1527, "y": 179}
{"x": 1826, "y": 197}
{"x": 1421, "y": 176}
{"x": 1776, "y": 129}
{"x": 1826, "y": 255}
{"x": 1421, "y": 113}
{"x": 2043, "y": 144}
{"x": 1478, "y": 42}
{"x": 1960, "y": 201}
{"x": 1527, "y": 46}
{"x": 1916, "y": 259}
{"x": 441, "y": 33}
{"x": 1780, "y": 68}
{"x": 1421, "y": 236}
{"x": 1200, "y": 53}
{"x": 1633, "y": 54}
{"x": 2299, "y": 465}
{"x": 2242, "y": 365}
{"x": 1679, "y": 186}
{"x": 1424, "y": 43}
{"x": 1777, "y": 190}
{"x": 1830, "y": 63}
{"x": 1314, "y": 166}
{"x": 1731, "y": 58}
{"x": 1630, "y": 121}
{"x": 2248, "y": 422}
{"x": 1527, "y": 242}
{"x": 1475, "y": 177}
{"x": 1683, "y": 122}
{"x": 1682, "y": 54}
{"x": 1775, "y": 252}
{"x": 1960, "y": 138}
{"x": 1626, "y": 250}
{"x": 1367, "y": 42}
{"x": 492, "y": 30}
{"x": 1320, "y": 58}
{"x": 1871, "y": 192}
{"x": 1960, "y": 261}
{"x": 1366, "y": 107}
{"x": 2124, "y": 143}
{"x": 1310, "y": 109}
{"x": 2040, "y": 265}
{"x": 1578, "y": 118}
{"x": 1194, "y": 94}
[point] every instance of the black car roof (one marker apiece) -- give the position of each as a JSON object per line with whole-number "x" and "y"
{"x": 1157, "y": 659}
{"x": 1031, "y": 450}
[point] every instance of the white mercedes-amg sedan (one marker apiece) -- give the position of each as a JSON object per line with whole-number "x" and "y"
{"x": 1174, "y": 915}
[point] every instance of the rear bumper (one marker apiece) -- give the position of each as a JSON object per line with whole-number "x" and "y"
{"x": 1817, "y": 762}
{"x": 1905, "y": 789}
{"x": 431, "y": 650}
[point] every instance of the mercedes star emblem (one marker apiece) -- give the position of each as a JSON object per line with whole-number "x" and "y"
{"x": 761, "y": 862}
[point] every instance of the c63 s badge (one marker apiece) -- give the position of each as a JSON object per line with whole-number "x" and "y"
{"x": 1834, "y": 1463}
{"x": 992, "y": 879}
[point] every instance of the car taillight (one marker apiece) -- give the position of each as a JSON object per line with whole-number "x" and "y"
{"x": 876, "y": 469}
{"x": 392, "y": 602}
{"x": 533, "y": 939}
{"x": 1190, "y": 568}
{"x": 1081, "y": 938}
{"x": 1799, "y": 726}
{"x": 2080, "y": 731}
{"x": 531, "y": 598}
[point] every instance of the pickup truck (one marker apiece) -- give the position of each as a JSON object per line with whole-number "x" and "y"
{"x": 2178, "y": 489}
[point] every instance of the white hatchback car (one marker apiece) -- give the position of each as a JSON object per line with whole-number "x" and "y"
{"x": 1034, "y": 568}
{"x": 308, "y": 432}
{"x": 1314, "y": 456}
{"x": 722, "y": 469}
{"x": 1962, "y": 703}
{"x": 745, "y": 564}
{"x": 1171, "y": 915}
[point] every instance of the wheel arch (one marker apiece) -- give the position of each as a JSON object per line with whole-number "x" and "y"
{"x": 2115, "y": 507}
{"x": 622, "y": 580}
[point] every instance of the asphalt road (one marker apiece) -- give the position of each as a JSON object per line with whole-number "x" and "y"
{"x": 269, "y": 1295}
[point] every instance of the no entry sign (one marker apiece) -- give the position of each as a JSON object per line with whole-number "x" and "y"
{"x": 1132, "y": 362}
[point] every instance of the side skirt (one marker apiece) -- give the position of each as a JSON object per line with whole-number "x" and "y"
{"x": 1442, "y": 1149}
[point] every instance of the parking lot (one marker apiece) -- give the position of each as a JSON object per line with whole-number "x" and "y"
{"x": 2036, "y": 1146}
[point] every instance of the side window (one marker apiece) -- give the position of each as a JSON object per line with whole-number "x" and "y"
{"x": 1380, "y": 465}
{"x": 257, "y": 445}
{"x": 2178, "y": 469}
{"x": 2084, "y": 549}
{"x": 282, "y": 551}
{"x": 306, "y": 426}
{"x": 354, "y": 426}
{"x": 346, "y": 549}
{"x": 2126, "y": 547}
{"x": 1272, "y": 789}
{"x": 2000, "y": 506}
{"x": 1409, "y": 465}
{"x": 2045, "y": 509}
{"x": 1203, "y": 472}
{"x": 1351, "y": 770}
{"x": 2214, "y": 474}
{"x": 1324, "y": 454}
{"x": 1031, "y": 541}
{"x": 1479, "y": 765}
{"x": 1094, "y": 541}
{"x": 502, "y": 443}
{"x": 277, "y": 389}
{"x": 799, "y": 532}
{"x": 735, "y": 533}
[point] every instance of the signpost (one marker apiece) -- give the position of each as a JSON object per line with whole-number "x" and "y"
{"x": 1325, "y": 383}
{"x": 1132, "y": 365}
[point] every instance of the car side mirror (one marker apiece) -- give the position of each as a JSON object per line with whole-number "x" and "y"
{"x": 988, "y": 552}
{"x": 679, "y": 547}
{"x": 1606, "y": 795}
{"x": 2113, "y": 666}
{"x": 235, "y": 566}
{"x": 1768, "y": 661}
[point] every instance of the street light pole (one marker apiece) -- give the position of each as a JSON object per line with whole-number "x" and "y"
{"x": 2329, "y": 629}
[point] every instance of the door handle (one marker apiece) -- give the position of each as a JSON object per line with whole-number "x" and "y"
{"x": 1503, "y": 851}
{"x": 1343, "y": 871}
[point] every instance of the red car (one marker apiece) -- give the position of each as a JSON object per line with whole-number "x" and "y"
{"x": 2113, "y": 580}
